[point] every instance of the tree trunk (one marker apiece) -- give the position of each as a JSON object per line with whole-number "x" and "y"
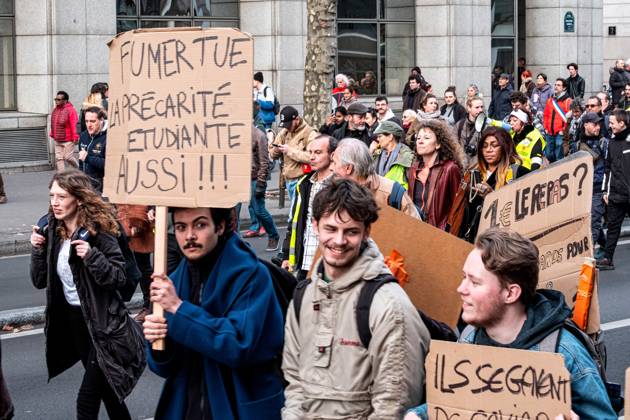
{"x": 321, "y": 51}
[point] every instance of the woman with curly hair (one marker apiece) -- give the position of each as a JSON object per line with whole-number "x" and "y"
{"x": 497, "y": 165}
{"x": 435, "y": 174}
{"x": 76, "y": 257}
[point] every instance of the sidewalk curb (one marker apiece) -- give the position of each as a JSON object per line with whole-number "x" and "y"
{"x": 23, "y": 246}
{"x": 37, "y": 314}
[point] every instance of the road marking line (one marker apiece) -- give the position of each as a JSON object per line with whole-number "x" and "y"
{"x": 622, "y": 323}
{"x": 21, "y": 334}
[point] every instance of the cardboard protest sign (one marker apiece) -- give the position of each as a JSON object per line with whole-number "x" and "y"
{"x": 180, "y": 114}
{"x": 466, "y": 381}
{"x": 433, "y": 281}
{"x": 626, "y": 407}
{"x": 552, "y": 207}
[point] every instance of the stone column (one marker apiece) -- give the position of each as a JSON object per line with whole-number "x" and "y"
{"x": 550, "y": 49}
{"x": 453, "y": 44}
{"x": 279, "y": 30}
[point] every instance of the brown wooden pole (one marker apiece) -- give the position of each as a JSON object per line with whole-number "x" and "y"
{"x": 160, "y": 258}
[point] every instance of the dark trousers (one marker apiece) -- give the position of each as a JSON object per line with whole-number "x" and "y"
{"x": 94, "y": 387}
{"x": 616, "y": 213}
{"x": 598, "y": 209}
{"x": 144, "y": 264}
{"x": 2, "y": 193}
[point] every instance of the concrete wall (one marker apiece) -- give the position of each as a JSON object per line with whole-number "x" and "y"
{"x": 550, "y": 49}
{"x": 60, "y": 45}
{"x": 453, "y": 43}
{"x": 616, "y": 13}
{"x": 279, "y": 29}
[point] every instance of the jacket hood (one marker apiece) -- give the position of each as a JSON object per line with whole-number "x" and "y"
{"x": 368, "y": 266}
{"x": 545, "y": 314}
{"x": 544, "y": 87}
{"x": 405, "y": 156}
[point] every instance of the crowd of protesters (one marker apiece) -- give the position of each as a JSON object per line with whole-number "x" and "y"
{"x": 233, "y": 347}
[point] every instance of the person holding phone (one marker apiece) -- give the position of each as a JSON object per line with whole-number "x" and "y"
{"x": 76, "y": 257}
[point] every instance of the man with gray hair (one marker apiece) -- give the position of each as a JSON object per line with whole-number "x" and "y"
{"x": 352, "y": 160}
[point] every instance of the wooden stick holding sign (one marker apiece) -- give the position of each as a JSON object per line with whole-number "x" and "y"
{"x": 160, "y": 258}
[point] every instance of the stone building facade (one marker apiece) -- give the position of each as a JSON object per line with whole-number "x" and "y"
{"x": 51, "y": 45}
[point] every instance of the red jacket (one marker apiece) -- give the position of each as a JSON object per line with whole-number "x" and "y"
{"x": 63, "y": 123}
{"x": 444, "y": 179}
{"x": 553, "y": 122}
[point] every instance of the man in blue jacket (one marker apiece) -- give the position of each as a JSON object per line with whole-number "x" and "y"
{"x": 502, "y": 307}
{"x": 92, "y": 143}
{"x": 264, "y": 96}
{"x": 223, "y": 326}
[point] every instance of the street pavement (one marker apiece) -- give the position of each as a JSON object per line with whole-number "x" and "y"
{"x": 25, "y": 369}
{"x": 24, "y": 364}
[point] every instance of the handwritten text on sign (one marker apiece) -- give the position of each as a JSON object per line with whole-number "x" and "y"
{"x": 467, "y": 381}
{"x": 180, "y": 117}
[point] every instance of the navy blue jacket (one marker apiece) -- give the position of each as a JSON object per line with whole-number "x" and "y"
{"x": 94, "y": 163}
{"x": 238, "y": 329}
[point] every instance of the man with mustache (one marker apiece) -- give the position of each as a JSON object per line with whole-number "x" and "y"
{"x": 334, "y": 368}
{"x": 222, "y": 325}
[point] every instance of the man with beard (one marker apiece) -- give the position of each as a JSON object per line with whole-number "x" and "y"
{"x": 555, "y": 119}
{"x": 222, "y": 326}
{"x": 355, "y": 127}
{"x": 528, "y": 141}
{"x": 332, "y": 369}
{"x": 502, "y": 308}
{"x": 466, "y": 134}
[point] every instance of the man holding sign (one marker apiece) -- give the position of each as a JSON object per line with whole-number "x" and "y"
{"x": 502, "y": 307}
{"x": 223, "y": 326}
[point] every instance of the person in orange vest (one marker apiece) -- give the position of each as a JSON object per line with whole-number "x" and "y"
{"x": 555, "y": 119}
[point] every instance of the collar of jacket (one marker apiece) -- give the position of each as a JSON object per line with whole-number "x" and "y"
{"x": 560, "y": 96}
{"x": 368, "y": 266}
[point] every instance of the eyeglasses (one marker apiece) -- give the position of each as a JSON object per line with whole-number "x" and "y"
{"x": 591, "y": 106}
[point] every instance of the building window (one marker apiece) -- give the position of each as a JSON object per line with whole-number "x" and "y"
{"x": 504, "y": 30}
{"x": 376, "y": 44}
{"x": 133, "y": 14}
{"x": 7, "y": 55}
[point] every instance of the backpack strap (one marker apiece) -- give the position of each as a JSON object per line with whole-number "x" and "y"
{"x": 396, "y": 195}
{"x": 550, "y": 342}
{"x": 298, "y": 297}
{"x": 366, "y": 296}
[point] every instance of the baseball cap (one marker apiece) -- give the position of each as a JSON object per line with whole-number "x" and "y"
{"x": 287, "y": 115}
{"x": 591, "y": 117}
{"x": 521, "y": 115}
{"x": 357, "y": 108}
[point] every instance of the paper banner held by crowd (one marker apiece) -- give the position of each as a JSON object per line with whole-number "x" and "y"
{"x": 474, "y": 381}
{"x": 180, "y": 115}
{"x": 551, "y": 206}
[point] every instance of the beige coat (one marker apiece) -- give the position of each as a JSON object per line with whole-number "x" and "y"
{"x": 297, "y": 154}
{"x": 330, "y": 374}
{"x": 381, "y": 187}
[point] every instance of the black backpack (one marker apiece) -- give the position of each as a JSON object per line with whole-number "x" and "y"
{"x": 437, "y": 329}
{"x": 283, "y": 284}
{"x": 276, "y": 103}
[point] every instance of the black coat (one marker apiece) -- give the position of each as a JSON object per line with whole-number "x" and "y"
{"x": 617, "y": 82}
{"x": 344, "y": 131}
{"x": 501, "y": 105}
{"x": 459, "y": 111}
{"x": 116, "y": 337}
{"x": 575, "y": 86}
{"x": 617, "y": 168}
